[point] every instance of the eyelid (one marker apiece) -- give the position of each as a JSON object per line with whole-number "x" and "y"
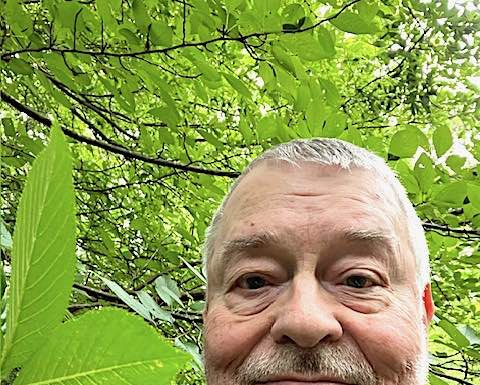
{"x": 266, "y": 268}
{"x": 243, "y": 277}
{"x": 370, "y": 275}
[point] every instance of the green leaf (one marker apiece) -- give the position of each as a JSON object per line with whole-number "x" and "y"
{"x": 166, "y": 114}
{"x": 302, "y": 98}
{"x": 20, "y": 66}
{"x": 238, "y": 85}
{"x": 161, "y": 34}
{"x": 453, "y": 194}
{"x": 308, "y": 46}
{"x": 292, "y": 13}
{"x": 455, "y": 162}
{"x": 140, "y": 13}
{"x": 245, "y": 130}
{"x": 59, "y": 69}
{"x": 108, "y": 346}
{"x": 474, "y": 195}
{"x": 469, "y": 333}
{"x": 8, "y": 127}
{"x": 155, "y": 310}
{"x": 403, "y": 144}
{"x": 66, "y": 11}
{"x": 332, "y": 94}
{"x": 351, "y": 22}
{"x": 104, "y": 10}
{"x": 327, "y": 44}
{"x": 283, "y": 59}
{"x": 406, "y": 177}
{"x": 191, "y": 349}
{"x": 335, "y": 123}
{"x": 127, "y": 298}
{"x": 130, "y": 37}
{"x": 167, "y": 289}
{"x": 43, "y": 253}
{"x": 202, "y": 65}
{"x": 19, "y": 20}
{"x": 193, "y": 270}
{"x": 424, "y": 172}
{"x": 435, "y": 380}
{"x": 210, "y": 138}
{"x": 266, "y": 72}
{"x": 459, "y": 339}
{"x": 442, "y": 139}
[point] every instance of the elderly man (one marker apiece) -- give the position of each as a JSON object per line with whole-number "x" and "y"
{"x": 317, "y": 273}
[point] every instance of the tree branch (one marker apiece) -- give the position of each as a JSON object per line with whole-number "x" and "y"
{"x": 456, "y": 379}
{"x": 240, "y": 39}
{"x": 96, "y": 293}
{"x": 433, "y": 226}
{"x": 114, "y": 148}
{"x": 26, "y": 110}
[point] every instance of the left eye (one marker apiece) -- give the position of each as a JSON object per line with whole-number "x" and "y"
{"x": 358, "y": 282}
{"x": 253, "y": 282}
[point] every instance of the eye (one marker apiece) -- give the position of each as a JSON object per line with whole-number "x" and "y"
{"x": 252, "y": 282}
{"x": 359, "y": 282}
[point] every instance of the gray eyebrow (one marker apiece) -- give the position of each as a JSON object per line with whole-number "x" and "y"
{"x": 241, "y": 244}
{"x": 377, "y": 237}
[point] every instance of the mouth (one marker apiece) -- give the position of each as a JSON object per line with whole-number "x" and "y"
{"x": 300, "y": 380}
{"x": 295, "y": 382}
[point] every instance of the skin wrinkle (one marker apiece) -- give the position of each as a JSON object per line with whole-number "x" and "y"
{"x": 279, "y": 198}
{"x": 306, "y": 307}
{"x": 234, "y": 247}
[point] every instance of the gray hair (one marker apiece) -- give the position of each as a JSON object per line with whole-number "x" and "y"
{"x": 334, "y": 152}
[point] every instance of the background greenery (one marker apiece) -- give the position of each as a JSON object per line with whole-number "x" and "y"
{"x": 164, "y": 103}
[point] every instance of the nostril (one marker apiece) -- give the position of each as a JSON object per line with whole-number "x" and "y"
{"x": 284, "y": 340}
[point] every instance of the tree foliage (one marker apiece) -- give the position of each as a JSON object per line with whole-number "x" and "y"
{"x": 165, "y": 102}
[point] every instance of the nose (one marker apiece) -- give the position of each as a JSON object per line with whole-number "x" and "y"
{"x": 307, "y": 318}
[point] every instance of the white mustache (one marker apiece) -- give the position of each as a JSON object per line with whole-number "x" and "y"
{"x": 341, "y": 363}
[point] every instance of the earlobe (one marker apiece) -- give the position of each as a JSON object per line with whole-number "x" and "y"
{"x": 428, "y": 304}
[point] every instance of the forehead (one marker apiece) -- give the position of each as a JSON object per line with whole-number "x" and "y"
{"x": 271, "y": 186}
{"x": 310, "y": 204}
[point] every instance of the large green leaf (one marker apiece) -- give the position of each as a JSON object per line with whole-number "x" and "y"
{"x": 108, "y": 346}
{"x": 43, "y": 253}
{"x": 403, "y": 144}
{"x": 349, "y": 21}
{"x": 442, "y": 139}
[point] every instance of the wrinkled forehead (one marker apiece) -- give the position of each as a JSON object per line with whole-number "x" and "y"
{"x": 272, "y": 186}
{"x": 271, "y": 179}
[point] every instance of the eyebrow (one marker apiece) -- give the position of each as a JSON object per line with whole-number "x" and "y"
{"x": 242, "y": 244}
{"x": 377, "y": 238}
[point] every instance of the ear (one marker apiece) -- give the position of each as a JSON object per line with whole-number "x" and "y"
{"x": 428, "y": 304}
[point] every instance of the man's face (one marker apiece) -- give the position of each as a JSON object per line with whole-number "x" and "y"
{"x": 313, "y": 282}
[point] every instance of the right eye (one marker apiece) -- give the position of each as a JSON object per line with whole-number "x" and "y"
{"x": 252, "y": 282}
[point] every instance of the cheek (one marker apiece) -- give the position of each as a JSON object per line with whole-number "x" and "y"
{"x": 229, "y": 338}
{"x": 391, "y": 340}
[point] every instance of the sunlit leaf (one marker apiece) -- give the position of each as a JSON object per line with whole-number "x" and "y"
{"x": 104, "y": 346}
{"x": 43, "y": 253}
